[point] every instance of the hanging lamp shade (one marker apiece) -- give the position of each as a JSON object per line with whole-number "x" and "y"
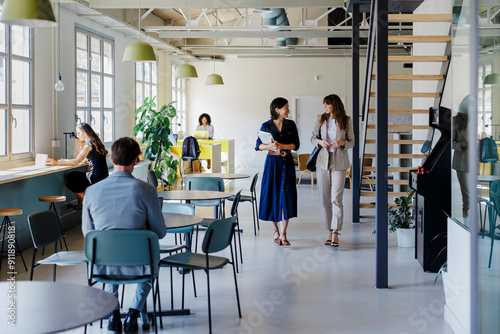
{"x": 214, "y": 79}
{"x": 139, "y": 51}
{"x": 186, "y": 71}
{"x": 33, "y": 13}
{"x": 492, "y": 79}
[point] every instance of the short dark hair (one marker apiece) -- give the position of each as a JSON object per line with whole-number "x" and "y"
{"x": 207, "y": 116}
{"x": 279, "y": 103}
{"x": 124, "y": 151}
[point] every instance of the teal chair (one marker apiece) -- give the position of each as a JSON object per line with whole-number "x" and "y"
{"x": 125, "y": 248}
{"x": 494, "y": 211}
{"x": 184, "y": 209}
{"x": 252, "y": 198}
{"x": 217, "y": 238}
{"x": 207, "y": 183}
{"x": 45, "y": 230}
{"x": 234, "y": 213}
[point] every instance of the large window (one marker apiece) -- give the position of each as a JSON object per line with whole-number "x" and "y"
{"x": 484, "y": 103}
{"x": 16, "y": 92}
{"x": 146, "y": 85}
{"x": 95, "y": 83}
{"x": 179, "y": 95}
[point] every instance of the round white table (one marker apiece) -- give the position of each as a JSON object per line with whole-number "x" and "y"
{"x": 193, "y": 195}
{"x": 51, "y": 307}
{"x": 176, "y": 220}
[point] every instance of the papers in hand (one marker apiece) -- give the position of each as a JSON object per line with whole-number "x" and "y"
{"x": 41, "y": 160}
{"x": 266, "y": 138}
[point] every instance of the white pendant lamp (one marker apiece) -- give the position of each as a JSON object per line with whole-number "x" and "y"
{"x": 59, "y": 86}
{"x": 139, "y": 51}
{"x": 32, "y": 13}
{"x": 186, "y": 70}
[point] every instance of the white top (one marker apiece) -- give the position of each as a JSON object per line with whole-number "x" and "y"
{"x": 209, "y": 128}
{"x": 331, "y": 133}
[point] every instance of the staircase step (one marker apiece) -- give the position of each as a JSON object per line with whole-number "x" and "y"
{"x": 398, "y": 141}
{"x": 419, "y": 39}
{"x": 415, "y": 59}
{"x": 389, "y": 169}
{"x": 398, "y": 156}
{"x": 389, "y": 194}
{"x": 372, "y": 181}
{"x": 372, "y": 206}
{"x": 403, "y": 127}
{"x": 419, "y": 17}
{"x": 403, "y": 111}
{"x": 413, "y": 77}
{"x": 409, "y": 94}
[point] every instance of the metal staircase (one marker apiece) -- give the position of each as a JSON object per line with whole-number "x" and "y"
{"x": 368, "y": 139}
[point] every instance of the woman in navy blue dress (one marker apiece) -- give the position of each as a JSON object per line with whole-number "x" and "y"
{"x": 278, "y": 196}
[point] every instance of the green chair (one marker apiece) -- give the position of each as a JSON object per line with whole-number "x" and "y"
{"x": 45, "y": 230}
{"x": 217, "y": 238}
{"x": 207, "y": 183}
{"x": 185, "y": 209}
{"x": 234, "y": 213}
{"x": 125, "y": 248}
{"x": 252, "y": 198}
{"x": 494, "y": 211}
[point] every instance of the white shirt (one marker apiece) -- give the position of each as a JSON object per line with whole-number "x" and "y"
{"x": 331, "y": 133}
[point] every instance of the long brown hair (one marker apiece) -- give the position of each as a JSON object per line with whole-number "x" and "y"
{"x": 338, "y": 111}
{"x": 99, "y": 146}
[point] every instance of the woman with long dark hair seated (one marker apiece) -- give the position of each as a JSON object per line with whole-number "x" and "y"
{"x": 94, "y": 151}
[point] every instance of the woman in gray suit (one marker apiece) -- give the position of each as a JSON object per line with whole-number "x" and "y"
{"x": 333, "y": 134}
{"x": 461, "y": 154}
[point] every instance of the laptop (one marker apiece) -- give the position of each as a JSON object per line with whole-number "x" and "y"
{"x": 41, "y": 160}
{"x": 201, "y": 134}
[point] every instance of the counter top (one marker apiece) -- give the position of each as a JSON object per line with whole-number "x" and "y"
{"x": 26, "y": 172}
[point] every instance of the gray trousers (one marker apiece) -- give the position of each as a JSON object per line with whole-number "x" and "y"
{"x": 331, "y": 190}
{"x": 141, "y": 293}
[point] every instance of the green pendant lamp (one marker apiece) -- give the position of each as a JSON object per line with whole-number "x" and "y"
{"x": 139, "y": 51}
{"x": 214, "y": 79}
{"x": 32, "y": 13}
{"x": 492, "y": 79}
{"x": 186, "y": 71}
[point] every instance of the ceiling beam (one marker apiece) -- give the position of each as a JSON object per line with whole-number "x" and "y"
{"x": 218, "y": 3}
{"x": 258, "y": 34}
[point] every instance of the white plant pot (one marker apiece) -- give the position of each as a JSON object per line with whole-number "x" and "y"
{"x": 406, "y": 237}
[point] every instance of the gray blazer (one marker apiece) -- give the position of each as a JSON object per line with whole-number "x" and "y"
{"x": 122, "y": 202}
{"x": 341, "y": 158}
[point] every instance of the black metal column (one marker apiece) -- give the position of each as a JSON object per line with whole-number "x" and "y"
{"x": 381, "y": 17}
{"x": 355, "y": 113}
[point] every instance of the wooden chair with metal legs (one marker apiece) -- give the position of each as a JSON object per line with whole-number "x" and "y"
{"x": 7, "y": 225}
{"x": 303, "y": 168}
{"x": 52, "y": 200}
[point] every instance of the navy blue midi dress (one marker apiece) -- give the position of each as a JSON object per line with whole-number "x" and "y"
{"x": 279, "y": 192}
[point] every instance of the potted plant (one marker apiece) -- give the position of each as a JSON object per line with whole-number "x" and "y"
{"x": 401, "y": 220}
{"x": 155, "y": 128}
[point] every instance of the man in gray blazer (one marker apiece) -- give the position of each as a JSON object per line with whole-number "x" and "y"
{"x": 123, "y": 202}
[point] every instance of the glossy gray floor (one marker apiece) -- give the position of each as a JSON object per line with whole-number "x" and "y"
{"x": 303, "y": 288}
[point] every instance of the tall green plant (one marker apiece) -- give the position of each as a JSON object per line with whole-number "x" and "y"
{"x": 155, "y": 128}
{"x": 401, "y": 216}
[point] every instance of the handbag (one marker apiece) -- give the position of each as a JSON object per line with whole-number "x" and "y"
{"x": 311, "y": 161}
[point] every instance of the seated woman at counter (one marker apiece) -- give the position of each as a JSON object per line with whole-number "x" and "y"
{"x": 94, "y": 151}
{"x": 205, "y": 125}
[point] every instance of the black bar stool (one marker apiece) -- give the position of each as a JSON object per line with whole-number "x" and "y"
{"x": 52, "y": 200}
{"x": 6, "y": 223}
